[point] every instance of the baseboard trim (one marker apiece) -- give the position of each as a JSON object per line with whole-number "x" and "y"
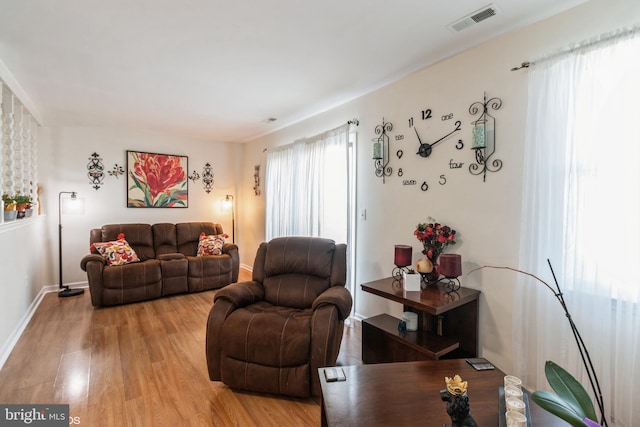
{"x": 8, "y": 346}
{"x": 246, "y": 267}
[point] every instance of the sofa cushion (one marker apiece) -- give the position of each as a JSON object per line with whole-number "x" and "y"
{"x": 271, "y": 336}
{"x": 164, "y": 238}
{"x": 139, "y": 237}
{"x": 211, "y": 244}
{"x": 188, "y": 235}
{"x": 117, "y": 252}
{"x": 295, "y": 280}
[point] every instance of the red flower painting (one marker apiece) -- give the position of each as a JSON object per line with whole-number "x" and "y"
{"x": 156, "y": 180}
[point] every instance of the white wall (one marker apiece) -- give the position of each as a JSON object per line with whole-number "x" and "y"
{"x": 64, "y": 154}
{"x": 22, "y": 249}
{"x": 486, "y": 214}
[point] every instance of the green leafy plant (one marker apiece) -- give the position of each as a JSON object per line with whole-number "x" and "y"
{"x": 9, "y": 202}
{"x": 23, "y": 199}
{"x": 571, "y": 402}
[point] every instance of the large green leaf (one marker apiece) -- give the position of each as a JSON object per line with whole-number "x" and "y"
{"x": 551, "y": 402}
{"x": 569, "y": 390}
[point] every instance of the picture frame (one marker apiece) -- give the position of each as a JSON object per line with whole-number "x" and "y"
{"x": 157, "y": 180}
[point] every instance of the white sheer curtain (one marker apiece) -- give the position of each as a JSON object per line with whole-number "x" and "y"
{"x": 581, "y": 210}
{"x": 307, "y": 187}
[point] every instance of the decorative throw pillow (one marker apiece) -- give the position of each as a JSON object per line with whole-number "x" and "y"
{"x": 117, "y": 252}
{"x": 211, "y": 244}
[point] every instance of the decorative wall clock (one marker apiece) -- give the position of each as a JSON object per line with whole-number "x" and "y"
{"x": 433, "y": 131}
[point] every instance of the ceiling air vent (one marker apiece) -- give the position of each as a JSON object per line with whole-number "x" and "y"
{"x": 472, "y": 19}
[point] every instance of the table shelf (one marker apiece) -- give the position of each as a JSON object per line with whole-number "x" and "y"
{"x": 447, "y": 325}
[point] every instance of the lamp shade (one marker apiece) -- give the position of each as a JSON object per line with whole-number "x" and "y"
{"x": 402, "y": 255}
{"x": 450, "y": 265}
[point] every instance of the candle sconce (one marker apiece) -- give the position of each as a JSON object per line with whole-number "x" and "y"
{"x": 450, "y": 268}
{"x": 402, "y": 259}
{"x": 381, "y": 150}
{"x": 484, "y": 137}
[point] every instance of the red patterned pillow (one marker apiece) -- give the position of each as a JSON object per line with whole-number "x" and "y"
{"x": 211, "y": 244}
{"x": 117, "y": 252}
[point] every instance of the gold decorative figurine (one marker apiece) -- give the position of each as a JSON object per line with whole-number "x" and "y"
{"x": 457, "y": 400}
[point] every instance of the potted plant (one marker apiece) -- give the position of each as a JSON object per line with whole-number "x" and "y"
{"x": 10, "y": 212}
{"x": 571, "y": 402}
{"x": 23, "y": 202}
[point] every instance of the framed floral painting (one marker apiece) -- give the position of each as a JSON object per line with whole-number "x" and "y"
{"x": 157, "y": 180}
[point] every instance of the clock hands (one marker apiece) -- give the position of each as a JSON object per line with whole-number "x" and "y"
{"x": 445, "y": 137}
{"x": 426, "y": 148}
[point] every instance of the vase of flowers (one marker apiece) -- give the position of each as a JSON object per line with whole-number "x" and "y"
{"x": 435, "y": 238}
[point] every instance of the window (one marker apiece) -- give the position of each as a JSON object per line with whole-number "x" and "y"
{"x": 581, "y": 210}
{"x": 310, "y": 190}
{"x": 18, "y": 146}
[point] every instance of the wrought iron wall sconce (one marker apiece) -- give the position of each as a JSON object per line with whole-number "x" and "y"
{"x": 402, "y": 259}
{"x": 207, "y": 178}
{"x": 95, "y": 169}
{"x": 484, "y": 137}
{"x": 256, "y": 180}
{"x": 381, "y": 150}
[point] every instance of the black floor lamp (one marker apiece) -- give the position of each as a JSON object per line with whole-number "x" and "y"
{"x": 229, "y": 199}
{"x": 64, "y": 291}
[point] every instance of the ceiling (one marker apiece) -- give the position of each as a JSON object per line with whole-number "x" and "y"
{"x": 215, "y": 70}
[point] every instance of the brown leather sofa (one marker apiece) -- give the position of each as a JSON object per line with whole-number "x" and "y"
{"x": 272, "y": 334}
{"x": 168, "y": 263}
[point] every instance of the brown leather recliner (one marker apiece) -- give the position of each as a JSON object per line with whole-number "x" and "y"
{"x": 273, "y": 333}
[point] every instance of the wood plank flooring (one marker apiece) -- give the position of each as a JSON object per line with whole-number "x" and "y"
{"x": 141, "y": 365}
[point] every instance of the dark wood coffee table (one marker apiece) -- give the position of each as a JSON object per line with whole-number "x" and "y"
{"x": 408, "y": 393}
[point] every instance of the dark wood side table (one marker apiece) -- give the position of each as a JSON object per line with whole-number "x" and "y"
{"x": 408, "y": 394}
{"x": 447, "y": 324}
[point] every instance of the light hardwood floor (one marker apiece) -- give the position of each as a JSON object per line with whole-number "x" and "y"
{"x": 141, "y": 365}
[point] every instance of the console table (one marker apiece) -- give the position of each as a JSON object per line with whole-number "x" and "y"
{"x": 447, "y": 324}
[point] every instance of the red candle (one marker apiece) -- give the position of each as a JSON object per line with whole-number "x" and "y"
{"x": 402, "y": 256}
{"x": 450, "y": 265}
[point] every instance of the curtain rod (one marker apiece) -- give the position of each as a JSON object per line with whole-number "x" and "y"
{"x": 353, "y": 121}
{"x": 585, "y": 44}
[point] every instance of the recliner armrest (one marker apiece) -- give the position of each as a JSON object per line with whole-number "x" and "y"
{"x": 229, "y": 247}
{"x": 338, "y": 296}
{"x": 91, "y": 257}
{"x": 241, "y": 294}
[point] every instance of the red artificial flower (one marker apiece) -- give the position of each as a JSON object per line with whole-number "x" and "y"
{"x": 159, "y": 171}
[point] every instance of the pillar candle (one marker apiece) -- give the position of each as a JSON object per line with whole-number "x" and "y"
{"x": 402, "y": 256}
{"x": 450, "y": 265}
{"x": 377, "y": 150}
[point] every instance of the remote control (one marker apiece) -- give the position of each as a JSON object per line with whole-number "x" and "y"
{"x": 334, "y": 374}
